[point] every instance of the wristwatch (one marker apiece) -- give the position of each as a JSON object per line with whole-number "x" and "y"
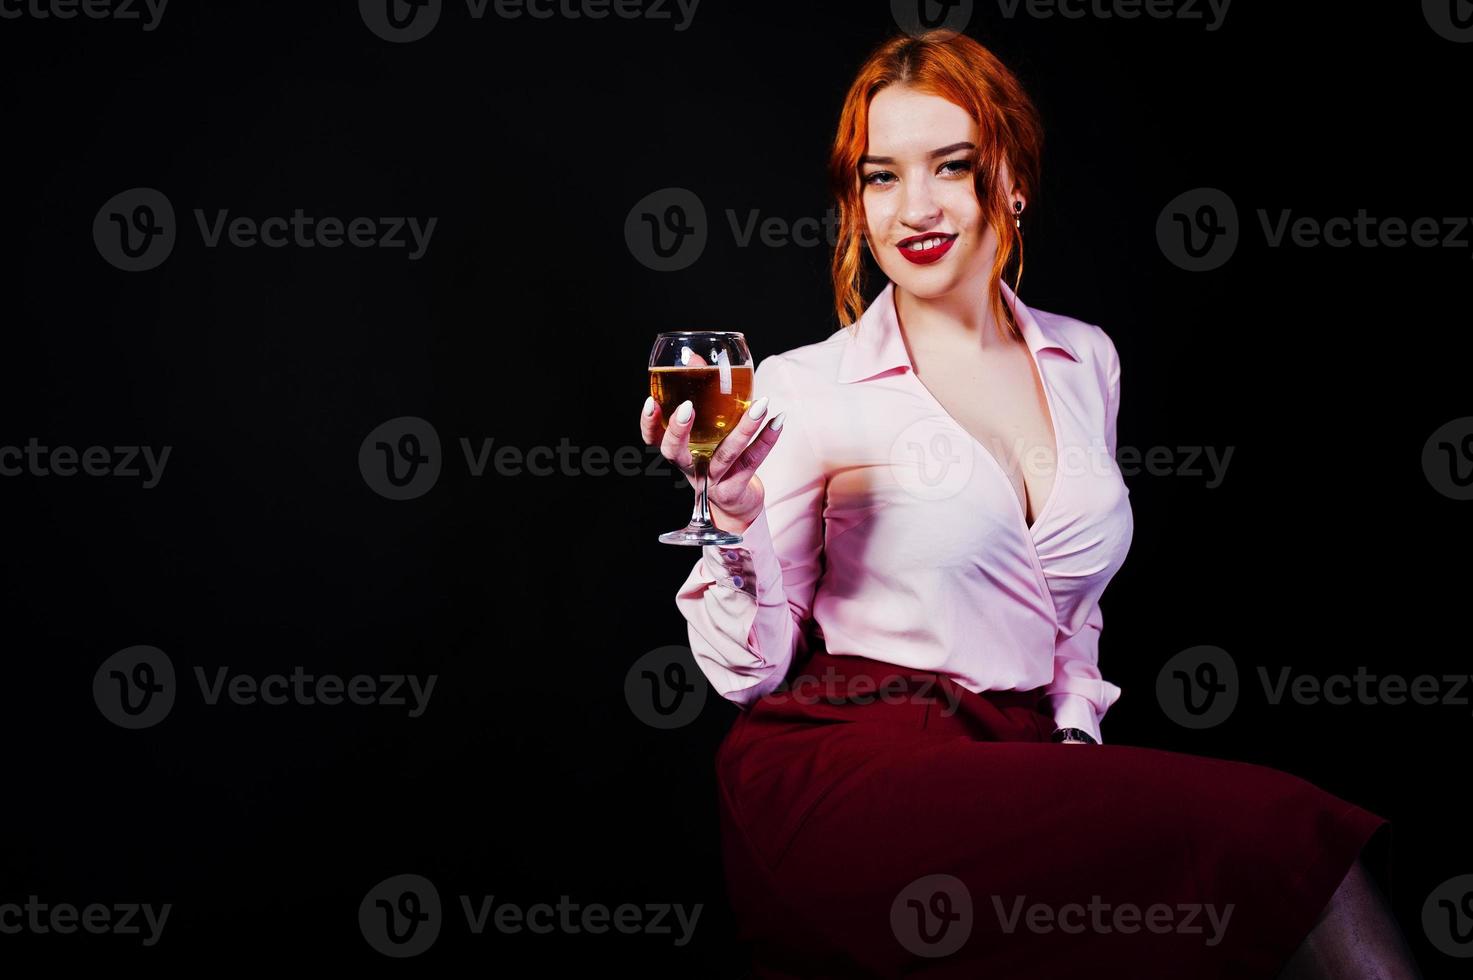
{"x": 1060, "y": 734}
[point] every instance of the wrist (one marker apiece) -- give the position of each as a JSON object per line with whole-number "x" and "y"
{"x": 730, "y": 522}
{"x": 1068, "y": 734}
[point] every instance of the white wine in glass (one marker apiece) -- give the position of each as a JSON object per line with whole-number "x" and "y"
{"x": 713, "y": 371}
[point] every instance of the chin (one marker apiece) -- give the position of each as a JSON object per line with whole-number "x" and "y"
{"x": 924, "y": 283}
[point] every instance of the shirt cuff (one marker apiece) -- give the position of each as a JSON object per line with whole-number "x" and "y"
{"x": 1075, "y": 711}
{"x": 751, "y": 566}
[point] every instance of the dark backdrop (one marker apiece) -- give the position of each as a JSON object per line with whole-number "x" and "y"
{"x": 1335, "y": 375}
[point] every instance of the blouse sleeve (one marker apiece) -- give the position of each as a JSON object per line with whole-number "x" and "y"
{"x": 1079, "y": 695}
{"x": 746, "y": 605}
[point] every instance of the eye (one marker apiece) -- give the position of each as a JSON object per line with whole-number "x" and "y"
{"x": 956, "y": 167}
{"x": 878, "y": 178}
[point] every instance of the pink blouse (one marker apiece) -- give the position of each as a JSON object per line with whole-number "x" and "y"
{"x": 895, "y": 535}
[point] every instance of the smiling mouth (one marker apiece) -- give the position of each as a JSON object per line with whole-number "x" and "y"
{"x": 925, "y": 248}
{"x": 923, "y": 243}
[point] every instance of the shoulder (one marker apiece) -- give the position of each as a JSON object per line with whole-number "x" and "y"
{"x": 808, "y": 363}
{"x": 1089, "y": 340}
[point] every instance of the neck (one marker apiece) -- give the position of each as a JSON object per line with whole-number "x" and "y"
{"x": 962, "y": 316}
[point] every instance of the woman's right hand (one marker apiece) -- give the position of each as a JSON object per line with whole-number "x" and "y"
{"x": 734, "y": 490}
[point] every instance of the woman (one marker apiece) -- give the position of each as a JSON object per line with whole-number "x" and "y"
{"x": 912, "y": 621}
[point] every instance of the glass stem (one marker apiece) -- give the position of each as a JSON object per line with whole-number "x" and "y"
{"x": 701, "y": 517}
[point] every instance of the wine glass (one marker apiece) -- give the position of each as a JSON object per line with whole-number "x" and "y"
{"x": 712, "y": 370}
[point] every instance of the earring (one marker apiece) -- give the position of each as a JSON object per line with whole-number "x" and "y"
{"x": 1017, "y": 215}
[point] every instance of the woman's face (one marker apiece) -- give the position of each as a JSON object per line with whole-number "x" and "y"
{"x": 916, "y": 187}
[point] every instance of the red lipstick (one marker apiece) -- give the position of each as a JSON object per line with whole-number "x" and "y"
{"x": 927, "y": 255}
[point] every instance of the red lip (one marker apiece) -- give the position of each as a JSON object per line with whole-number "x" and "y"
{"x": 929, "y": 255}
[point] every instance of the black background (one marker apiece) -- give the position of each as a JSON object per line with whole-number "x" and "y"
{"x": 529, "y": 321}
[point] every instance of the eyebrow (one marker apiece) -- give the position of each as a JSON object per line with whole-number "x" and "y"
{"x": 943, "y": 151}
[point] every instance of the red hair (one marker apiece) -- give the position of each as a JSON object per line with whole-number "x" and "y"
{"x": 963, "y": 72}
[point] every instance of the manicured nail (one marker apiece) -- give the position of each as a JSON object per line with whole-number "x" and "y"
{"x": 759, "y": 408}
{"x": 684, "y": 412}
{"x": 777, "y": 422}
{"x": 649, "y": 406}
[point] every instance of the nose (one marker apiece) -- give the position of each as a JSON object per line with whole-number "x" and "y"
{"x": 918, "y": 207}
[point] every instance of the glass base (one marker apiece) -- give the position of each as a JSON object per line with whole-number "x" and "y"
{"x": 700, "y": 536}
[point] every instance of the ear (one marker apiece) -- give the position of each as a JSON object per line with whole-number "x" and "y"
{"x": 1015, "y": 192}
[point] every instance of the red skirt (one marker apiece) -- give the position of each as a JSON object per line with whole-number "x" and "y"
{"x": 878, "y": 821}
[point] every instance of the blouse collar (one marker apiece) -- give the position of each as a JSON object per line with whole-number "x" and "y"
{"x": 879, "y": 346}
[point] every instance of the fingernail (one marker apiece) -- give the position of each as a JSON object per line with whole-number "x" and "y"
{"x": 777, "y": 422}
{"x": 759, "y": 408}
{"x": 684, "y": 412}
{"x": 649, "y": 405}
